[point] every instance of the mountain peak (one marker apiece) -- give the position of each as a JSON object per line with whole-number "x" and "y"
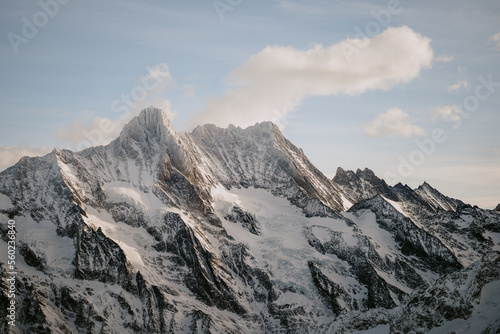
{"x": 265, "y": 134}
{"x": 265, "y": 126}
{"x": 365, "y": 172}
{"x": 436, "y": 199}
{"x": 150, "y": 124}
{"x": 426, "y": 185}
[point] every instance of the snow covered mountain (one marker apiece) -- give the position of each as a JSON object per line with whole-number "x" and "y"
{"x": 235, "y": 231}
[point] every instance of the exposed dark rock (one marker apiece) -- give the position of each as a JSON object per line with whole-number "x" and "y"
{"x": 328, "y": 290}
{"x": 363, "y": 184}
{"x": 248, "y": 221}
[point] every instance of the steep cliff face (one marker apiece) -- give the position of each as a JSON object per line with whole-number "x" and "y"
{"x": 233, "y": 231}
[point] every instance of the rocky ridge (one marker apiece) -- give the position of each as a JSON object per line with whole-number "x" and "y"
{"x": 234, "y": 231}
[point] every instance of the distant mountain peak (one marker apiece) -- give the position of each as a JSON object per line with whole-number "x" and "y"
{"x": 426, "y": 185}
{"x": 362, "y": 185}
{"x": 436, "y": 199}
{"x": 366, "y": 172}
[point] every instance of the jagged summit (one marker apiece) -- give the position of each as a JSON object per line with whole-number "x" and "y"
{"x": 150, "y": 124}
{"x": 261, "y": 156}
{"x": 436, "y": 199}
{"x": 366, "y": 172}
{"x": 153, "y": 127}
{"x": 260, "y": 125}
{"x": 263, "y": 133}
{"x": 362, "y": 185}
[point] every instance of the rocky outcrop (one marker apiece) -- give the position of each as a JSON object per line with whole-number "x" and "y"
{"x": 412, "y": 240}
{"x": 247, "y": 220}
{"x": 451, "y": 297}
{"x": 363, "y": 184}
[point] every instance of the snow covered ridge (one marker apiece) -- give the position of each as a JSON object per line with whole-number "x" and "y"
{"x": 235, "y": 231}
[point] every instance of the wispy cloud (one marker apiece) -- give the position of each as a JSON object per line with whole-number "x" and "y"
{"x": 495, "y": 39}
{"x": 394, "y": 122}
{"x": 10, "y": 155}
{"x": 456, "y": 86}
{"x": 99, "y": 131}
{"x": 272, "y": 83}
{"x": 448, "y": 113}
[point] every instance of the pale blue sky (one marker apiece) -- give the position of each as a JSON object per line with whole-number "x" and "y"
{"x": 92, "y": 52}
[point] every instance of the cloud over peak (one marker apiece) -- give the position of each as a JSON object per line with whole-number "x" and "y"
{"x": 274, "y": 82}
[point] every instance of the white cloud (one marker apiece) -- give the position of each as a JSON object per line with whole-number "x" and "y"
{"x": 272, "y": 83}
{"x": 458, "y": 85}
{"x": 394, "y": 122}
{"x": 449, "y": 113}
{"x": 9, "y": 155}
{"x": 495, "y": 39}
